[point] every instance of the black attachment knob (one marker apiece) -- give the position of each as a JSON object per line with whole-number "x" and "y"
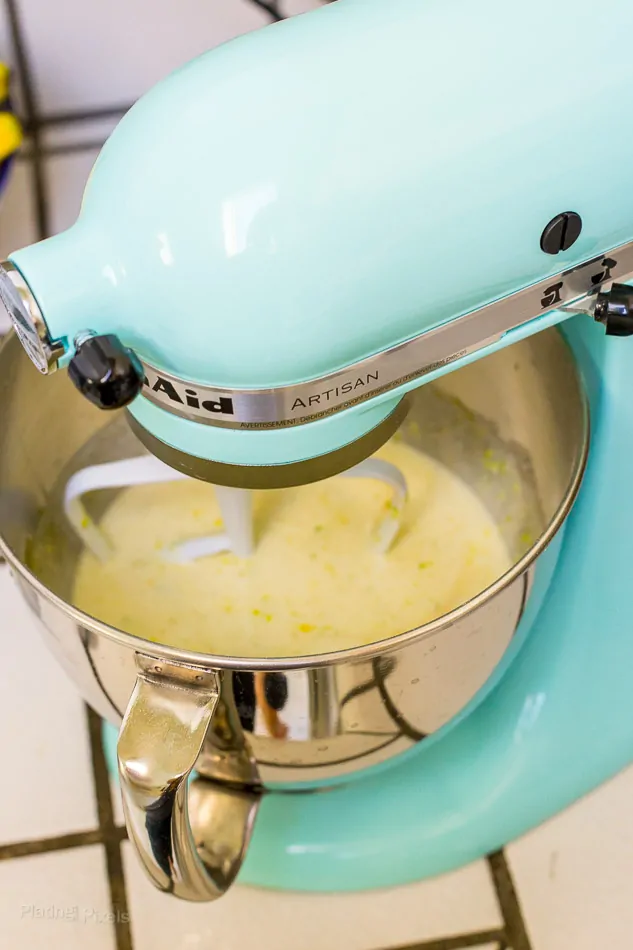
{"x": 106, "y": 372}
{"x": 562, "y": 231}
{"x": 614, "y": 309}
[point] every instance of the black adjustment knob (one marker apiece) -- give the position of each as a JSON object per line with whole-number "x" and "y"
{"x": 614, "y": 309}
{"x": 106, "y": 372}
{"x": 562, "y": 231}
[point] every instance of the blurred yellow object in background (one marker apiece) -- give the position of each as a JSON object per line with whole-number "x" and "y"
{"x": 10, "y": 134}
{"x": 5, "y": 75}
{"x": 10, "y": 128}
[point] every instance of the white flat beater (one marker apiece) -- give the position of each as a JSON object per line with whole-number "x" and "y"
{"x": 235, "y": 506}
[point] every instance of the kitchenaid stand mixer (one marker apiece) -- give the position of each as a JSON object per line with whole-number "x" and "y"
{"x": 264, "y": 316}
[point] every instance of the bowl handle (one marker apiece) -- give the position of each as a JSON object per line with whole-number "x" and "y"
{"x": 167, "y": 719}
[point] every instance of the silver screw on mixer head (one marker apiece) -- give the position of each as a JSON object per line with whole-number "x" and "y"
{"x": 29, "y": 324}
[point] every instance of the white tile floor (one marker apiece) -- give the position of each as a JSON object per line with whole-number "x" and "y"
{"x": 53, "y": 901}
{"x": 44, "y": 740}
{"x": 573, "y": 876}
{"x": 457, "y": 903}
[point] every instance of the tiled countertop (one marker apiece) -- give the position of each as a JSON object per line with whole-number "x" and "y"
{"x": 68, "y": 878}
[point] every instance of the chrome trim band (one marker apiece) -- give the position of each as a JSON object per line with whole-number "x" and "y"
{"x": 413, "y": 359}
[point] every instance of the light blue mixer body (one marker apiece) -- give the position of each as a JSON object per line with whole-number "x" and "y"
{"x": 555, "y": 720}
{"x": 325, "y": 189}
{"x": 328, "y": 187}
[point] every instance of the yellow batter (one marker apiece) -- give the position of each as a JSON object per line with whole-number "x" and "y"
{"x": 316, "y": 581}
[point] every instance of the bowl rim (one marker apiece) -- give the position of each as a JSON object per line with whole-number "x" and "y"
{"x": 367, "y": 651}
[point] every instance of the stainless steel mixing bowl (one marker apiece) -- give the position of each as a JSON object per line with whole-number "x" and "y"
{"x": 514, "y": 426}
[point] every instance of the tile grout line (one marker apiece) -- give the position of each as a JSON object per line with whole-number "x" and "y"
{"x": 115, "y": 111}
{"x": 459, "y": 941}
{"x": 70, "y": 148}
{"x": 269, "y": 7}
{"x": 111, "y": 835}
{"x": 23, "y": 70}
{"x": 74, "y": 839}
{"x": 515, "y": 927}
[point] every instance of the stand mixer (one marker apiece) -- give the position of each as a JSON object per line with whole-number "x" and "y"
{"x": 370, "y": 200}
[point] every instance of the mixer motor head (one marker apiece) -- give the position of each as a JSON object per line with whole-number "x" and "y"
{"x": 263, "y": 304}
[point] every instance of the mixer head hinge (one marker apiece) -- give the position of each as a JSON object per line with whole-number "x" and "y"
{"x": 614, "y": 309}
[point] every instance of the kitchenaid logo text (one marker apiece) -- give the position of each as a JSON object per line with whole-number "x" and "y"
{"x": 167, "y": 391}
{"x": 330, "y": 395}
{"x": 185, "y": 399}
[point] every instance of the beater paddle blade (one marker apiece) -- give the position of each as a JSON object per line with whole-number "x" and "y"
{"x": 235, "y": 506}
{"x": 389, "y": 525}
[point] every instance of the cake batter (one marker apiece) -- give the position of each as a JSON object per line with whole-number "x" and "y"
{"x": 316, "y": 582}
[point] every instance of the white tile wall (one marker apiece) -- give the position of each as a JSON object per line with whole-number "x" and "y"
{"x": 17, "y": 219}
{"x": 248, "y": 917}
{"x": 66, "y": 177}
{"x": 77, "y": 134}
{"x": 92, "y": 54}
{"x": 7, "y": 55}
{"x": 17, "y": 211}
{"x": 56, "y": 900}
{"x": 293, "y": 7}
